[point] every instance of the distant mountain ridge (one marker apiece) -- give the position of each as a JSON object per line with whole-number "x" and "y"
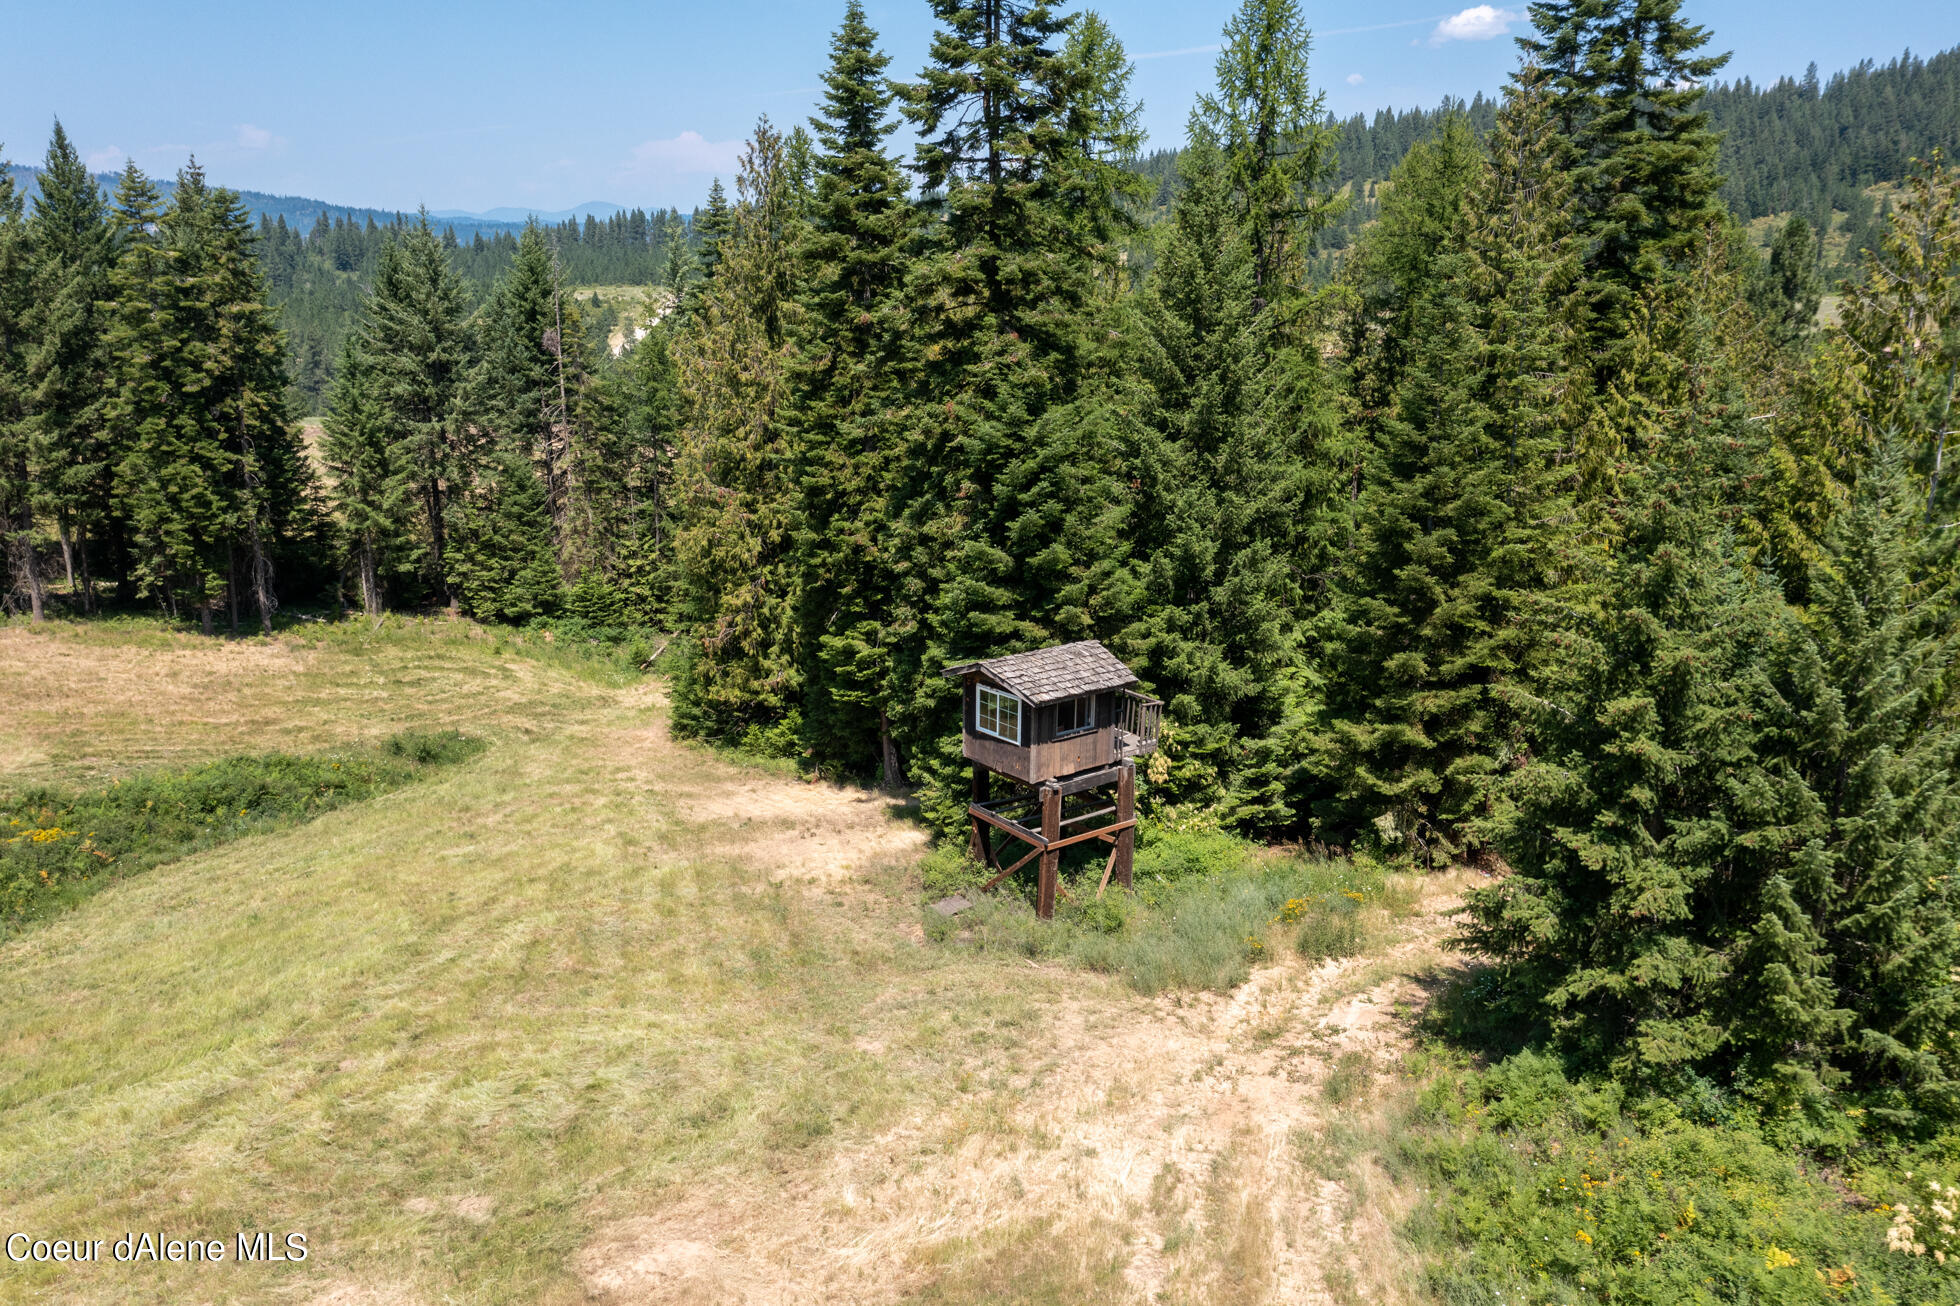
{"x": 302, "y": 212}
{"x": 600, "y": 209}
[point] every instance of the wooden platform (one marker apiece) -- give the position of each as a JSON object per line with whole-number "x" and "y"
{"x": 1114, "y": 817}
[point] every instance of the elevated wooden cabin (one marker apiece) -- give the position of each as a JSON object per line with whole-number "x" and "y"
{"x": 1054, "y": 712}
{"x": 1062, "y": 723}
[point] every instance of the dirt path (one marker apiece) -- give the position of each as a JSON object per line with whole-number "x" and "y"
{"x": 792, "y": 829}
{"x": 1191, "y": 1140}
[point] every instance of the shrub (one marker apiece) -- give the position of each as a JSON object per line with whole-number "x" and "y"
{"x": 1330, "y": 927}
{"x": 1548, "y": 1189}
{"x": 56, "y": 845}
{"x": 432, "y": 747}
{"x": 1206, "y": 909}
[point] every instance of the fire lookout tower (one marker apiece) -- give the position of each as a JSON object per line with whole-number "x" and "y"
{"x": 1061, "y": 726}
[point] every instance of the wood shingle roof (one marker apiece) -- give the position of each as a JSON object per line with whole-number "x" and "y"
{"x": 1048, "y": 675}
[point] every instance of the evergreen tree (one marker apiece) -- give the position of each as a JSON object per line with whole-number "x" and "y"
{"x": 502, "y": 561}
{"x": 270, "y": 485}
{"x": 1395, "y": 268}
{"x": 649, "y": 417}
{"x": 1787, "y": 291}
{"x": 850, "y": 382}
{"x": 1902, "y": 322}
{"x": 73, "y": 253}
{"x": 16, "y": 470}
{"x": 1889, "y": 370}
{"x": 1433, "y": 644}
{"x": 416, "y": 341}
{"x": 1866, "y": 722}
{"x": 678, "y": 272}
{"x": 733, "y": 548}
{"x": 714, "y": 227}
{"x": 520, "y": 392}
{"x": 1648, "y": 837}
{"x": 1012, "y": 533}
{"x": 1218, "y": 490}
{"x": 176, "y": 474}
{"x": 372, "y": 496}
{"x": 1271, "y": 126}
{"x": 1627, "y": 84}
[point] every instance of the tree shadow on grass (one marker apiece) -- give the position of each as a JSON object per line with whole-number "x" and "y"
{"x": 1477, "y": 1011}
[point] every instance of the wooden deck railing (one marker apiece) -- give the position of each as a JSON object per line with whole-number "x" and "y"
{"x": 1139, "y": 720}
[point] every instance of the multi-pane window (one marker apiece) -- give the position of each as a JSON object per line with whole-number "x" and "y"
{"x": 997, "y": 714}
{"x": 1075, "y": 714}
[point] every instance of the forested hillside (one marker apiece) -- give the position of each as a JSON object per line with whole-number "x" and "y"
{"x": 295, "y": 210}
{"x": 317, "y": 279}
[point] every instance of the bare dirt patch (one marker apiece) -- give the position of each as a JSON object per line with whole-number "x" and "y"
{"x": 1189, "y": 1139}
{"x": 476, "y": 1209}
{"x": 789, "y": 828}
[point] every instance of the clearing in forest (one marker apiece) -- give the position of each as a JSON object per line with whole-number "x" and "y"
{"x": 602, "y": 1016}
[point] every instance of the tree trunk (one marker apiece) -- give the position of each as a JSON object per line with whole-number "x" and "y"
{"x": 67, "y": 551}
{"x": 204, "y": 613}
{"x": 261, "y": 565}
{"x": 37, "y": 593}
{"x": 893, "y": 775}
{"x": 29, "y": 569}
{"x": 261, "y": 578}
{"x": 231, "y": 585}
{"x": 88, "y": 577}
{"x": 370, "y": 582}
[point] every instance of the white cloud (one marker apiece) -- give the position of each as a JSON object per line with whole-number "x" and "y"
{"x": 1355, "y": 79}
{"x": 255, "y": 138}
{"x": 1477, "y": 23}
{"x": 689, "y": 152}
{"x": 107, "y": 159}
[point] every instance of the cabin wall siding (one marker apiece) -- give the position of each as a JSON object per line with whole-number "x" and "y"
{"x": 1042, "y": 756}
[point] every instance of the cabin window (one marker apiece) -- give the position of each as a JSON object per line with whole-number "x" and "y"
{"x": 997, "y": 714}
{"x": 1075, "y": 714}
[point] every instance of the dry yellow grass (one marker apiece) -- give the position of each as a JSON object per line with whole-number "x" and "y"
{"x": 94, "y": 700}
{"x": 555, "y": 1027}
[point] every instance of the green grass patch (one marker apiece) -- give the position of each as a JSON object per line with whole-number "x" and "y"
{"x": 1545, "y": 1189}
{"x": 1205, "y": 910}
{"x": 59, "y": 845}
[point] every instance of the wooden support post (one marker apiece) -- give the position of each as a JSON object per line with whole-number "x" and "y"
{"x": 978, "y": 846}
{"x": 1051, "y": 858}
{"x": 1126, "y": 810}
{"x": 988, "y": 887}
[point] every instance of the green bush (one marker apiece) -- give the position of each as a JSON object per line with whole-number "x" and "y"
{"x": 1168, "y": 858}
{"x": 432, "y": 747}
{"x": 1549, "y": 1190}
{"x": 1207, "y": 907}
{"x": 1330, "y": 927}
{"x": 57, "y": 846}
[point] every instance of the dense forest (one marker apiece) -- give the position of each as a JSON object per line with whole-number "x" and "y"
{"x": 318, "y": 279}
{"x": 1795, "y": 146}
{"x": 1550, "y": 534}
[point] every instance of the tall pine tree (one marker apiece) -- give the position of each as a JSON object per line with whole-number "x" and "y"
{"x": 1627, "y": 81}
{"x": 851, "y": 381}
{"x": 416, "y": 341}
{"x": 1013, "y": 530}
{"x": 1433, "y": 644}
{"x": 74, "y": 253}
{"x": 372, "y": 496}
{"x": 16, "y": 435}
{"x": 734, "y": 546}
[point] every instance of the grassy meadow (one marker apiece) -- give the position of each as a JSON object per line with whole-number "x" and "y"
{"x": 592, "y": 1015}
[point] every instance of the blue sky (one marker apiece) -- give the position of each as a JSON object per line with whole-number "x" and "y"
{"x": 506, "y": 103}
